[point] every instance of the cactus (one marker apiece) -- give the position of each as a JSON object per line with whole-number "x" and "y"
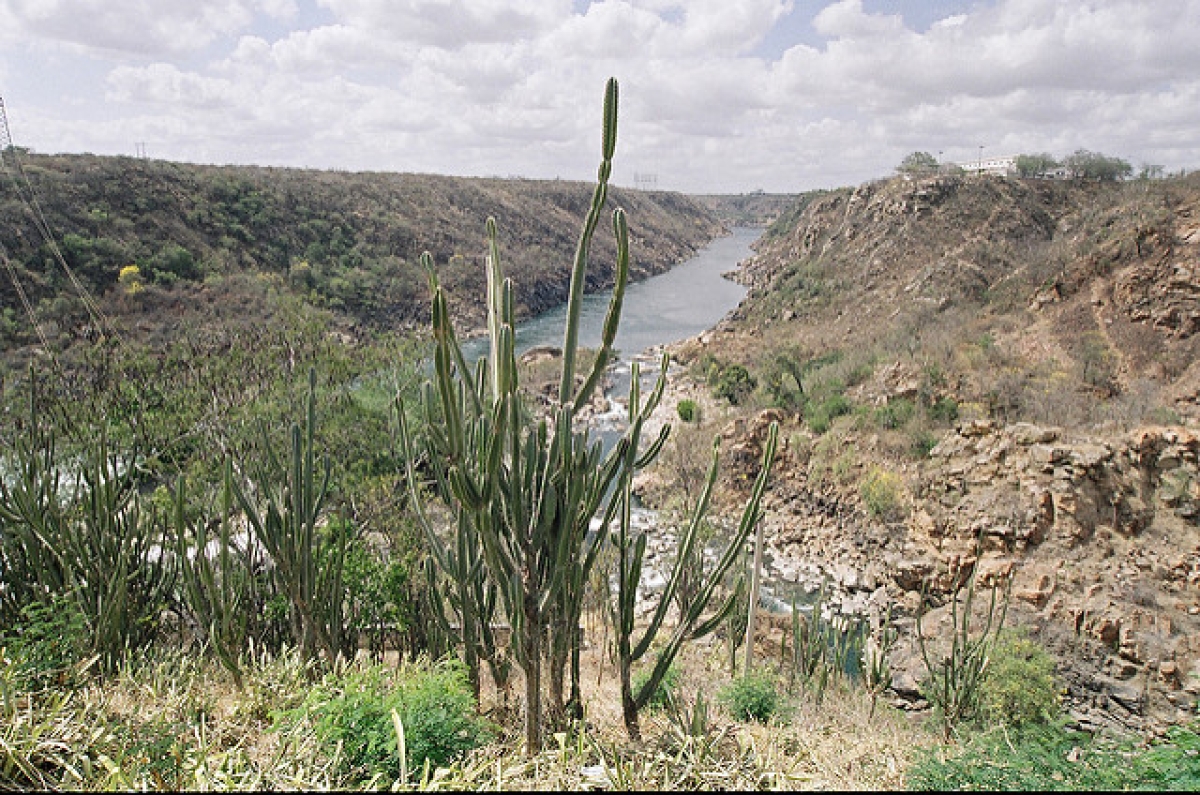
{"x": 31, "y": 516}
{"x": 307, "y": 569}
{"x": 523, "y": 489}
{"x": 86, "y": 537}
{"x": 876, "y": 656}
{"x": 955, "y": 679}
{"x": 822, "y": 647}
{"x": 218, "y": 593}
{"x": 631, "y": 549}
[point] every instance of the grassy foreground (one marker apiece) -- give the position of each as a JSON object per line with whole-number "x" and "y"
{"x": 170, "y": 720}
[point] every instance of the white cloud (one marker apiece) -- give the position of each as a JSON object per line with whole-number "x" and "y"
{"x": 138, "y": 27}
{"x": 513, "y": 86}
{"x": 451, "y": 23}
{"x": 725, "y": 27}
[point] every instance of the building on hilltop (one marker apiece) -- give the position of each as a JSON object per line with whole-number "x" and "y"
{"x": 1000, "y": 166}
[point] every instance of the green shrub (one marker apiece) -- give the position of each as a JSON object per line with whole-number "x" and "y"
{"x": 434, "y": 702}
{"x": 923, "y": 441}
{"x": 48, "y": 645}
{"x": 943, "y": 409}
{"x": 1055, "y": 758}
{"x": 667, "y": 689}
{"x": 752, "y": 697}
{"x": 820, "y": 415}
{"x": 895, "y": 414}
{"x": 880, "y": 491}
{"x": 734, "y": 383}
{"x": 688, "y": 410}
{"x": 1019, "y": 687}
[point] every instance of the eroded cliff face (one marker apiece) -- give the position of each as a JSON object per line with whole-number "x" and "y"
{"x": 1061, "y": 321}
{"x": 1100, "y": 537}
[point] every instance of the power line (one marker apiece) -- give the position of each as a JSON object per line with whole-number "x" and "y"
{"x": 12, "y": 167}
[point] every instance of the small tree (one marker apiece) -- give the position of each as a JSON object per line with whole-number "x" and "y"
{"x": 918, "y": 164}
{"x": 1093, "y": 165}
{"x": 1038, "y": 165}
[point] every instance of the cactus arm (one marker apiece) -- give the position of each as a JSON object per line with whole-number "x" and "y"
{"x": 750, "y": 516}
{"x": 689, "y": 541}
{"x": 575, "y": 298}
{"x": 612, "y": 318}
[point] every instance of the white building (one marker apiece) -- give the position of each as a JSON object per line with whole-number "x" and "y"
{"x": 1001, "y": 166}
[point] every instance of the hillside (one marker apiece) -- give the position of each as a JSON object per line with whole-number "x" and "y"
{"x": 208, "y": 240}
{"x": 748, "y": 209}
{"x": 987, "y": 375}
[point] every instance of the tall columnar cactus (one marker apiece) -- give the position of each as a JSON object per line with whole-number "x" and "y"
{"x": 218, "y": 590}
{"x": 284, "y": 511}
{"x": 955, "y": 679}
{"x": 86, "y": 536}
{"x": 695, "y": 621}
{"x": 526, "y": 489}
{"x": 523, "y": 488}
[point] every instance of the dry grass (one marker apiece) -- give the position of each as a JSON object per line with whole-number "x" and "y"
{"x": 840, "y": 742}
{"x": 171, "y": 720}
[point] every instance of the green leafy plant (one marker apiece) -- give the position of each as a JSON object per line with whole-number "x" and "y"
{"x": 820, "y": 414}
{"x": 734, "y": 383}
{"x": 880, "y": 492}
{"x": 896, "y": 414}
{"x": 1019, "y": 686}
{"x": 1052, "y": 757}
{"x": 944, "y": 409}
{"x": 47, "y": 646}
{"x": 753, "y": 697}
{"x": 688, "y": 410}
{"x": 353, "y": 710}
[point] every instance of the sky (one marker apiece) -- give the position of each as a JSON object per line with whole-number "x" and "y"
{"x": 716, "y": 96}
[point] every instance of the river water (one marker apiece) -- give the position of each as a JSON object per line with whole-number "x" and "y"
{"x": 690, "y": 298}
{"x": 686, "y": 300}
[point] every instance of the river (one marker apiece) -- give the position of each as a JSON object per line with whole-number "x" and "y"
{"x": 690, "y": 298}
{"x": 686, "y": 300}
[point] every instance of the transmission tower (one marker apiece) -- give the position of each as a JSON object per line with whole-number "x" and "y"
{"x": 645, "y": 181}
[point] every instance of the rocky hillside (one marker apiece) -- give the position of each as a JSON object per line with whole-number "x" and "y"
{"x": 205, "y": 237}
{"x": 996, "y": 376}
{"x": 748, "y": 209}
